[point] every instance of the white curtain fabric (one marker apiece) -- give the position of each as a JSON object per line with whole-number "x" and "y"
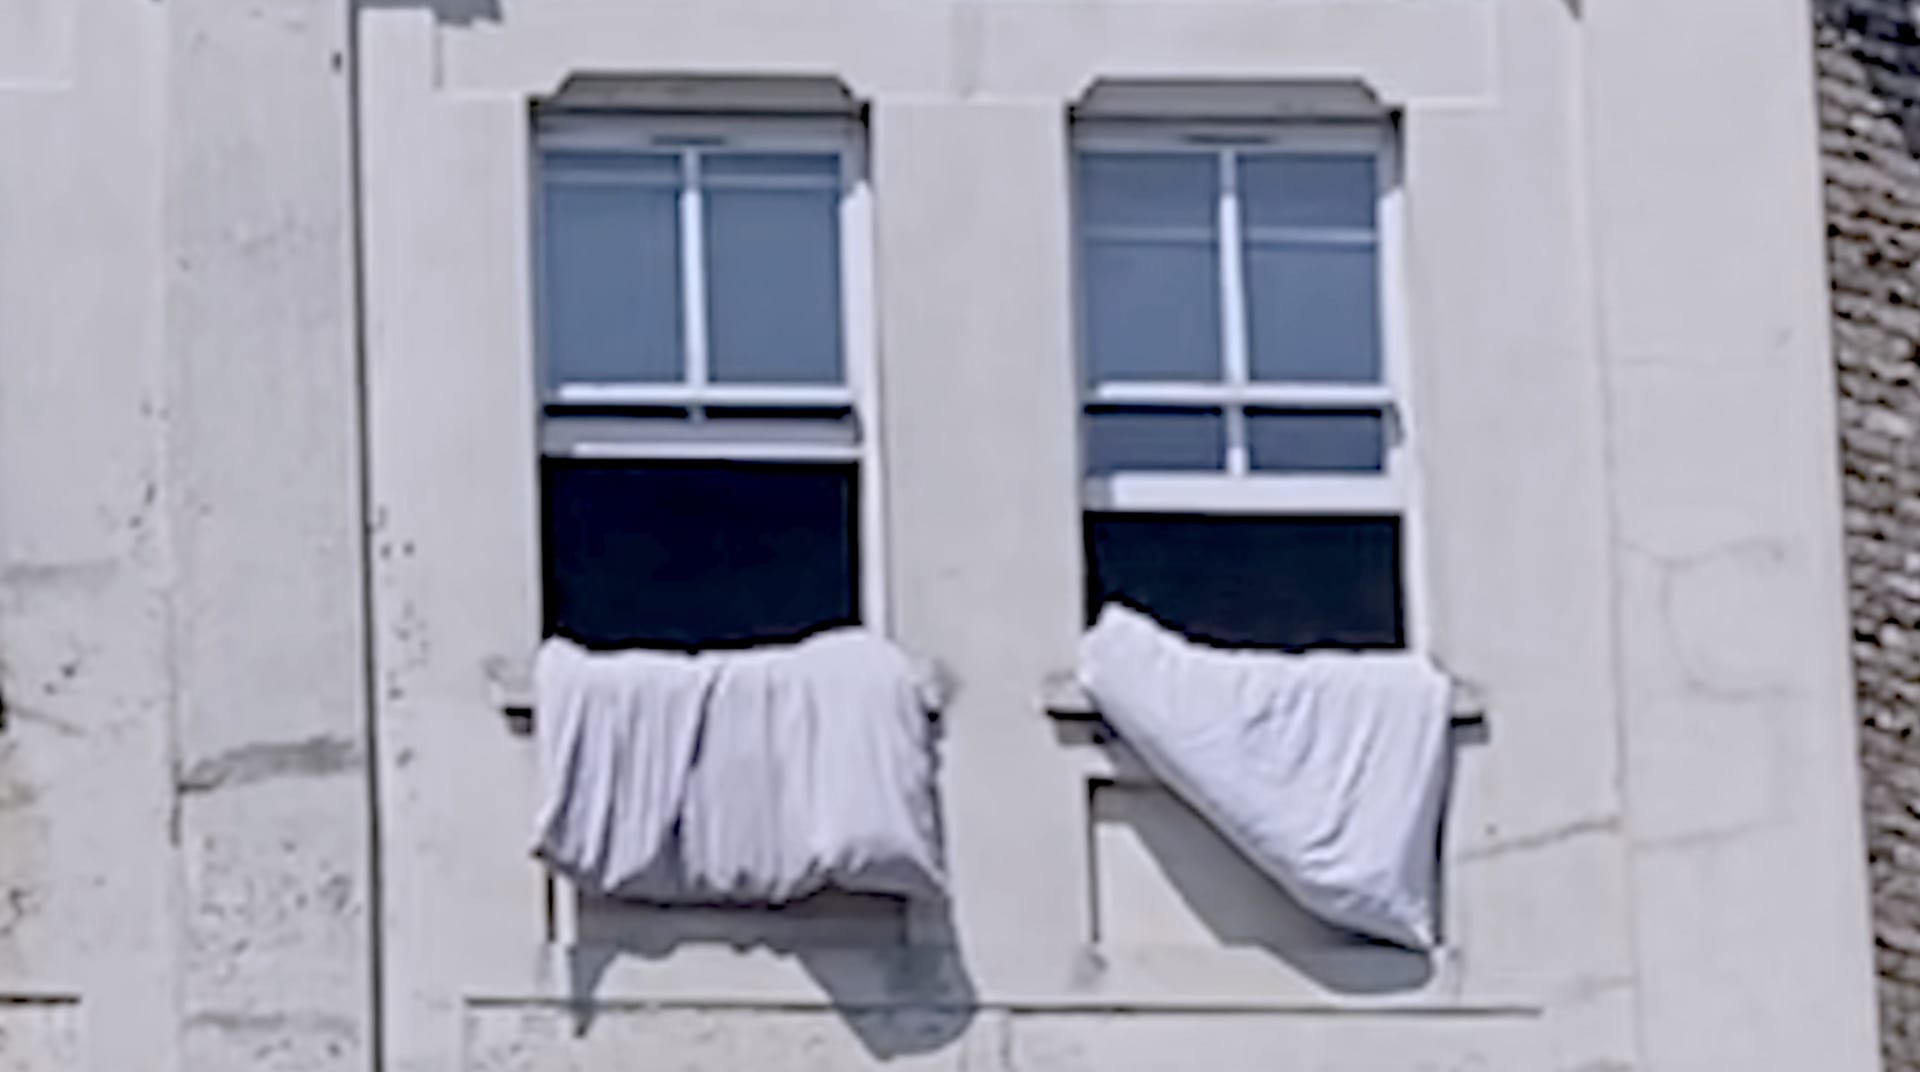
{"x": 1327, "y": 770}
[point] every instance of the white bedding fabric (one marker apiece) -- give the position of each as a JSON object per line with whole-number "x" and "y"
{"x": 752, "y": 777}
{"x": 1327, "y": 770}
{"x": 616, "y": 735}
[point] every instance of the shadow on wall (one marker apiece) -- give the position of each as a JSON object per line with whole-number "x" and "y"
{"x": 1145, "y": 840}
{"x": 898, "y": 999}
{"x": 891, "y": 969}
{"x": 454, "y": 12}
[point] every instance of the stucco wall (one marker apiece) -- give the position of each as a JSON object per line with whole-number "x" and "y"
{"x": 1630, "y": 522}
{"x": 1738, "y": 737}
{"x": 1627, "y": 502}
{"x": 1869, "y": 66}
{"x": 184, "y": 834}
{"x": 89, "y": 928}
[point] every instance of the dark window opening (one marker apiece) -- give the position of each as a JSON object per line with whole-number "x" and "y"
{"x": 698, "y": 554}
{"x": 1256, "y": 582}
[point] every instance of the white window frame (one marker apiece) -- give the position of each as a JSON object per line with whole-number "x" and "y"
{"x": 800, "y": 439}
{"x": 1236, "y": 488}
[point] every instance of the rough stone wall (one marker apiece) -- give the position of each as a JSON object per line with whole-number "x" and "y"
{"x": 1869, "y": 77}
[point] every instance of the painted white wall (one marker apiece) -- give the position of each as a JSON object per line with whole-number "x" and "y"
{"x": 185, "y": 836}
{"x": 86, "y": 853}
{"x": 1720, "y": 433}
{"x": 1617, "y": 318}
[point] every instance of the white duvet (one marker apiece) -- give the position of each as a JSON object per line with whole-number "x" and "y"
{"x": 754, "y": 777}
{"x": 1327, "y": 770}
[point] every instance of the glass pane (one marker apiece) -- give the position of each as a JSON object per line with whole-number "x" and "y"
{"x": 1313, "y": 312}
{"x": 809, "y": 168}
{"x": 1279, "y": 582}
{"x": 789, "y": 425}
{"x": 1155, "y": 439}
{"x": 1153, "y": 310}
{"x": 648, "y": 168}
{"x": 611, "y": 283}
{"x": 1318, "y": 190}
{"x": 773, "y": 285}
{"x": 1307, "y": 441}
{"x": 693, "y": 555}
{"x": 1176, "y": 190}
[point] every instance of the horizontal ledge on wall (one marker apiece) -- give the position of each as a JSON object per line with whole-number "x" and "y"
{"x": 1420, "y": 1007}
{"x": 703, "y": 94}
{"x": 1062, "y": 698}
{"x": 1293, "y": 99}
{"x": 15, "y": 997}
{"x": 511, "y": 692}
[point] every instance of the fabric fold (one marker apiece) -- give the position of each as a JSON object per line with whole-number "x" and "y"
{"x": 1326, "y": 770}
{"x": 754, "y": 777}
{"x": 617, "y": 735}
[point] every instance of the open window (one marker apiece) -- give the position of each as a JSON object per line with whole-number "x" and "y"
{"x": 1245, "y": 447}
{"x": 708, "y": 466}
{"x": 707, "y": 470}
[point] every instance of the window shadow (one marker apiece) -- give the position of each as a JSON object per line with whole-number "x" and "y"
{"x": 890, "y": 968}
{"x": 451, "y": 12}
{"x": 1233, "y": 902}
{"x": 898, "y": 997}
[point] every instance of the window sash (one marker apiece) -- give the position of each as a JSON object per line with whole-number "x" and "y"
{"x": 1255, "y": 493}
{"x": 1261, "y": 394}
{"x": 769, "y": 439}
{"x": 771, "y": 395}
{"x": 1393, "y": 492}
{"x": 800, "y": 423}
{"x": 1237, "y": 487}
{"x": 692, "y": 143}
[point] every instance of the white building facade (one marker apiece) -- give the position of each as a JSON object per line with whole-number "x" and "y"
{"x": 342, "y": 345}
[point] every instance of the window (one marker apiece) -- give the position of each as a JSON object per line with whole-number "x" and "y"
{"x": 1244, "y": 448}
{"x": 707, "y": 474}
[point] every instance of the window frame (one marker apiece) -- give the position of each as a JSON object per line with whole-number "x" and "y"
{"x": 1236, "y": 488}
{"x": 609, "y": 421}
